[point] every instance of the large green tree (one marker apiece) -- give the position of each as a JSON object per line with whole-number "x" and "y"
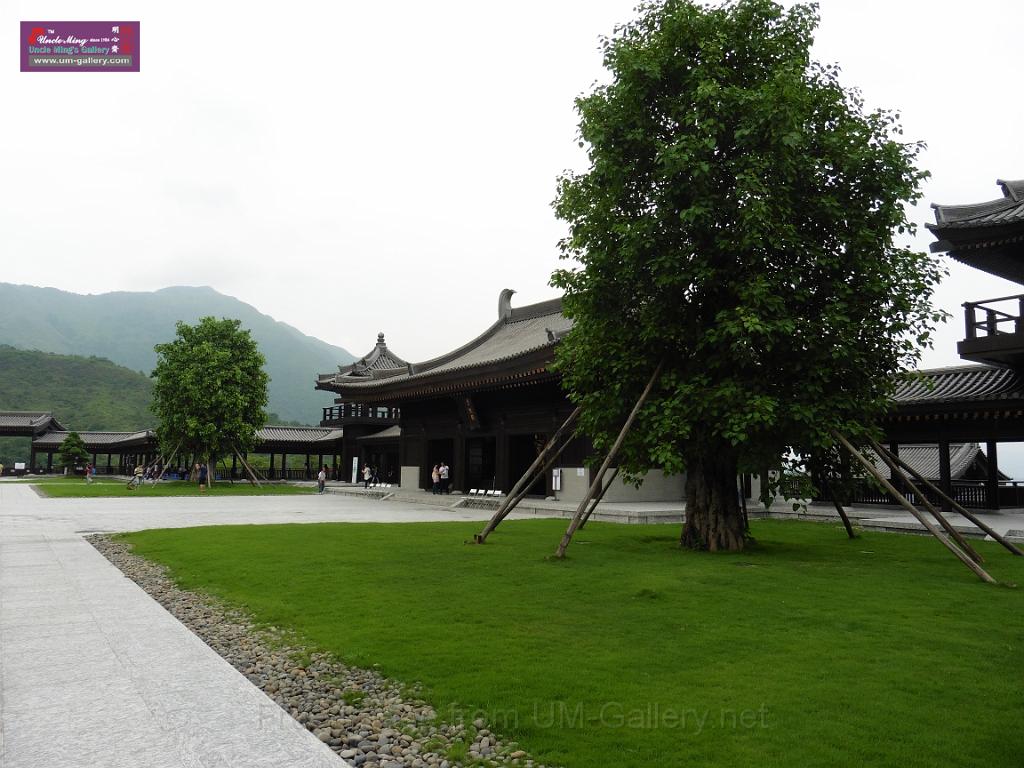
{"x": 210, "y": 390}
{"x": 739, "y": 221}
{"x": 73, "y": 452}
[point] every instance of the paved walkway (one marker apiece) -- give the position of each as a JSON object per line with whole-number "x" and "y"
{"x": 96, "y": 674}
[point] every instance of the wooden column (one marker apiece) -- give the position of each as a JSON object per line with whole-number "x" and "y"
{"x": 945, "y": 475}
{"x": 234, "y": 464}
{"x": 992, "y": 483}
{"x": 108, "y": 463}
{"x": 284, "y": 465}
{"x": 32, "y": 460}
{"x": 49, "y": 461}
{"x": 458, "y": 465}
{"x": 503, "y": 479}
{"x": 270, "y": 472}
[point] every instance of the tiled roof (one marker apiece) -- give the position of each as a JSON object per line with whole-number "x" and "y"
{"x": 98, "y": 439}
{"x": 925, "y": 459}
{"x": 380, "y": 361}
{"x": 517, "y": 333}
{"x": 310, "y": 435}
{"x": 958, "y": 384}
{"x": 1009, "y": 209}
{"x": 27, "y": 420}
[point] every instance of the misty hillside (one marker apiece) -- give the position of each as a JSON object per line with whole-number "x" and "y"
{"x": 124, "y": 327}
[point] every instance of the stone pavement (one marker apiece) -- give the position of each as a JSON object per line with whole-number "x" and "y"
{"x": 95, "y": 674}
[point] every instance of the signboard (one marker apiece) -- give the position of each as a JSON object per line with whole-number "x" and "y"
{"x": 355, "y": 469}
{"x": 556, "y": 479}
{"x": 79, "y": 46}
{"x": 19, "y": 465}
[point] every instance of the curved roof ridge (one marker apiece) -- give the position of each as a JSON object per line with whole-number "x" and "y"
{"x": 989, "y": 213}
{"x": 954, "y": 383}
{"x": 517, "y": 314}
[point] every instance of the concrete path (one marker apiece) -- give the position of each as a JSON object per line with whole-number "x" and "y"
{"x": 96, "y": 674}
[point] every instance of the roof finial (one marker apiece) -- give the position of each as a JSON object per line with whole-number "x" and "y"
{"x": 380, "y": 339}
{"x": 505, "y": 303}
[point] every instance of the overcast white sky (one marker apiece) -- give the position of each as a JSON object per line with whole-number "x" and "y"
{"x": 349, "y": 167}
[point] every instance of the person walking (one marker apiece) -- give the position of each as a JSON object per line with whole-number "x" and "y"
{"x": 203, "y": 474}
{"x": 443, "y": 473}
{"x": 321, "y": 479}
{"x": 435, "y": 479}
{"x": 367, "y": 474}
{"x": 88, "y": 473}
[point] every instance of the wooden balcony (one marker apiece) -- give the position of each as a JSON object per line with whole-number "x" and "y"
{"x": 360, "y": 413}
{"x": 995, "y": 332}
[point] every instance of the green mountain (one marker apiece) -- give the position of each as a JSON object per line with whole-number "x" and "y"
{"x": 124, "y": 327}
{"x": 84, "y": 393}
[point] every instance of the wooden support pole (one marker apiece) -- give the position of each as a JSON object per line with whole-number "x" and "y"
{"x": 595, "y": 502}
{"x": 980, "y": 572}
{"x": 253, "y": 479}
{"x": 542, "y": 473}
{"x": 1009, "y": 545}
{"x": 527, "y": 479}
{"x": 908, "y": 484}
{"x": 830, "y": 490}
{"x": 595, "y": 486}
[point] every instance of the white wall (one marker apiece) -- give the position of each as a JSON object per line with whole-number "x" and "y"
{"x": 410, "y": 477}
{"x": 657, "y": 486}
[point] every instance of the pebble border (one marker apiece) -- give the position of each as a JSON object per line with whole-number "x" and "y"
{"x": 367, "y": 719}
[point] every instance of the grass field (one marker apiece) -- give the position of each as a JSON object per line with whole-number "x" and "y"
{"x": 76, "y": 487}
{"x": 807, "y": 650}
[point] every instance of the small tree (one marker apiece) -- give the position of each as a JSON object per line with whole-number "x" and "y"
{"x": 210, "y": 391}
{"x": 72, "y": 451}
{"x": 737, "y": 223}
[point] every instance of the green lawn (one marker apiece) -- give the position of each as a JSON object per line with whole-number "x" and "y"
{"x": 76, "y": 487}
{"x": 807, "y": 650}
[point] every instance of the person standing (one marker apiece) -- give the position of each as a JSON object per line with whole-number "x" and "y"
{"x": 435, "y": 479}
{"x": 203, "y": 473}
{"x": 88, "y": 473}
{"x": 321, "y": 479}
{"x": 443, "y": 472}
{"x": 367, "y": 474}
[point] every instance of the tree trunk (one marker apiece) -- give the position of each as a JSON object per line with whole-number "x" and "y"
{"x": 714, "y": 519}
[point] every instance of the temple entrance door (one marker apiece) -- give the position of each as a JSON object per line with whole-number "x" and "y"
{"x": 481, "y": 454}
{"x": 437, "y": 451}
{"x": 522, "y": 450}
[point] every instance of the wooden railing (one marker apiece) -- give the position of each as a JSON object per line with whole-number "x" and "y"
{"x": 983, "y": 318}
{"x": 973, "y": 494}
{"x": 347, "y": 411}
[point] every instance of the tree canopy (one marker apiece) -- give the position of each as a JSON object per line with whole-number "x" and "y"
{"x": 740, "y": 221}
{"x": 210, "y": 390}
{"x": 73, "y": 451}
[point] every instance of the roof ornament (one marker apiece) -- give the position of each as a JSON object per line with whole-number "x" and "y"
{"x": 380, "y": 339}
{"x": 1013, "y": 189}
{"x": 505, "y": 304}
{"x": 550, "y": 333}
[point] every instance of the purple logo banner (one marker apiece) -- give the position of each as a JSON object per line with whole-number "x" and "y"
{"x": 79, "y": 46}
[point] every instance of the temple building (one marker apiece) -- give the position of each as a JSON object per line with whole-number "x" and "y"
{"x": 981, "y": 402}
{"x": 486, "y": 409}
